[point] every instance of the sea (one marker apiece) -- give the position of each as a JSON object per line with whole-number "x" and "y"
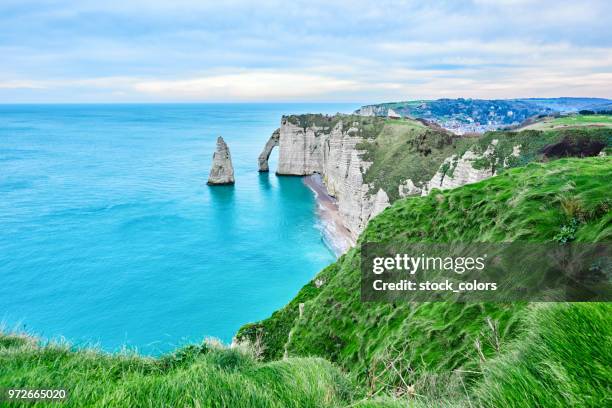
{"x": 110, "y": 237}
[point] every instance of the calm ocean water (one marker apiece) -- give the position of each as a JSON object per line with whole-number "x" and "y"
{"x": 110, "y": 236}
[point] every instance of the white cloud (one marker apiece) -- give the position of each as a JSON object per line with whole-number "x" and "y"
{"x": 249, "y": 85}
{"x": 21, "y": 84}
{"x": 155, "y": 50}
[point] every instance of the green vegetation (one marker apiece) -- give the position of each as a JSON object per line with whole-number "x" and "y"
{"x": 604, "y": 121}
{"x": 563, "y": 360}
{"x": 449, "y": 351}
{"x": 407, "y": 149}
{"x": 195, "y": 376}
{"x": 532, "y": 145}
{"x": 364, "y": 126}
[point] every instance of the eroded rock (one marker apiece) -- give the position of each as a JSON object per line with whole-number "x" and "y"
{"x": 265, "y": 154}
{"x": 332, "y": 152}
{"x": 222, "y": 170}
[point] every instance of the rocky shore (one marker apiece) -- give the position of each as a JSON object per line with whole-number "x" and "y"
{"x": 336, "y": 236}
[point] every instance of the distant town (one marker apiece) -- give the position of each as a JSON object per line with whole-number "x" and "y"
{"x": 463, "y": 116}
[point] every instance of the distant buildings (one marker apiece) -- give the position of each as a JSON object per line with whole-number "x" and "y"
{"x": 464, "y": 115}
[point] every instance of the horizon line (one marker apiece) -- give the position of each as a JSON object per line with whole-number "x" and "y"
{"x": 288, "y": 102}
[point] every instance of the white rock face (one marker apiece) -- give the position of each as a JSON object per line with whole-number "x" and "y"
{"x": 516, "y": 152}
{"x": 372, "y": 110}
{"x": 458, "y": 171}
{"x": 265, "y": 154}
{"x": 332, "y": 153}
{"x": 408, "y": 188}
{"x": 222, "y": 170}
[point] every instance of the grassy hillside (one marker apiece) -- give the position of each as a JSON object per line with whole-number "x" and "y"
{"x": 538, "y": 145}
{"x": 436, "y": 342}
{"x": 407, "y": 149}
{"x": 398, "y": 154}
{"x": 597, "y": 121}
{"x": 564, "y": 359}
{"x": 196, "y": 376}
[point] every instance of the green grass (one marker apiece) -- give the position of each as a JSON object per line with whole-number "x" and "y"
{"x": 563, "y": 360}
{"x": 531, "y": 143}
{"x": 406, "y": 149}
{"x": 572, "y": 121}
{"x": 435, "y": 341}
{"x": 201, "y": 376}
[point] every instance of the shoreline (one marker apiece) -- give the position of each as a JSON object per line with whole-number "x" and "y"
{"x": 335, "y": 235}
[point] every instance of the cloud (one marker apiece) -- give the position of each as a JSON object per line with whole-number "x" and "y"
{"x": 21, "y": 84}
{"x": 62, "y": 50}
{"x": 248, "y": 85}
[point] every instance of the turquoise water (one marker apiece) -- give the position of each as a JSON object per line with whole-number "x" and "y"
{"x": 110, "y": 236}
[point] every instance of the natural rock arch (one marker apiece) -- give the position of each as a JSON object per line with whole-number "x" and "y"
{"x": 265, "y": 154}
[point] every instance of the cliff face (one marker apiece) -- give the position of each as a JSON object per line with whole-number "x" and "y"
{"x": 331, "y": 151}
{"x": 470, "y": 167}
{"x": 222, "y": 170}
{"x": 458, "y": 170}
{"x": 368, "y": 162}
{"x": 372, "y": 110}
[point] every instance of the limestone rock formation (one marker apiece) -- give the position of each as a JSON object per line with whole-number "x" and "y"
{"x": 457, "y": 171}
{"x": 372, "y": 110}
{"x": 408, "y": 188}
{"x": 331, "y": 152}
{"x": 265, "y": 154}
{"x": 222, "y": 170}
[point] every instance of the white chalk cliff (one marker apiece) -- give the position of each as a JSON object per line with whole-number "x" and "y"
{"x": 457, "y": 171}
{"x": 222, "y": 170}
{"x": 331, "y": 152}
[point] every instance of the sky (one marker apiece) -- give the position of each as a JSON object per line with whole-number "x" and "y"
{"x": 303, "y": 51}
